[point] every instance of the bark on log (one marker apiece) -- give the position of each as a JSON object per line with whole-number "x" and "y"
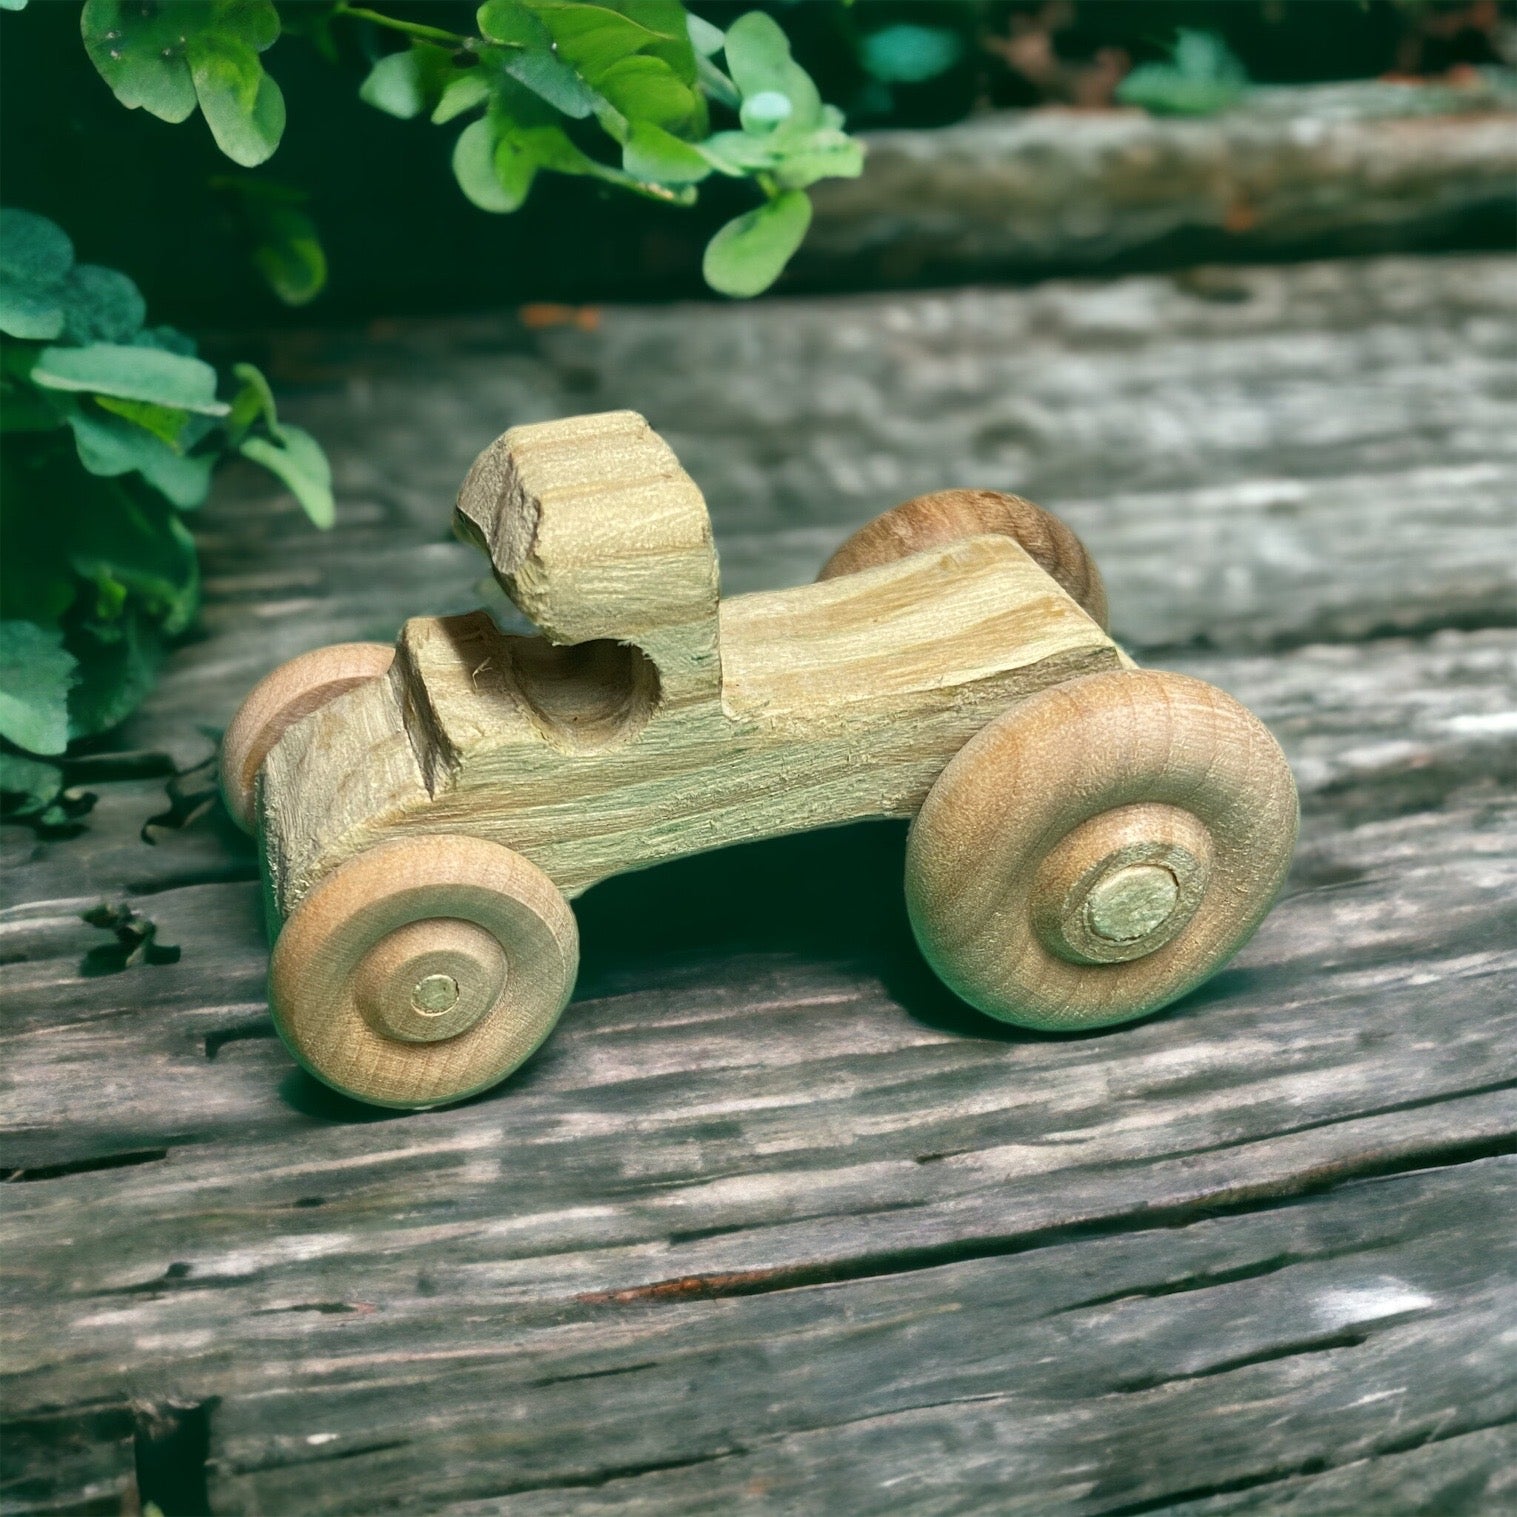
{"x": 1341, "y": 168}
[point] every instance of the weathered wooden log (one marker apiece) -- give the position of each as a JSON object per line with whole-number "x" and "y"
{"x": 1346, "y": 168}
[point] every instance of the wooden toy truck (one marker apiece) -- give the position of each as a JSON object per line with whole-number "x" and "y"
{"x": 1090, "y": 840}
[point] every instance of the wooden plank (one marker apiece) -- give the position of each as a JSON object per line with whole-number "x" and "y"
{"x": 771, "y": 1208}
{"x": 1081, "y": 1373}
{"x": 686, "y": 1140}
{"x": 1354, "y": 166}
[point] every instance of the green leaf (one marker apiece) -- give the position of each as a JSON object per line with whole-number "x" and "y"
{"x": 758, "y": 58}
{"x": 740, "y": 153}
{"x": 253, "y": 403}
{"x": 748, "y": 254}
{"x": 183, "y": 479}
{"x": 164, "y": 55}
{"x": 406, "y": 84}
{"x": 647, "y": 89}
{"x": 530, "y": 57}
{"x": 1203, "y": 77}
{"x": 908, "y": 54}
{"x": 139, "y": 51}
{"x": 33, "y": 249}
{"x": 302, "y": 465}
{"x": 100, "y": 305}
{"x": 166, "y": 423}
{"x": 109, "y": 446}
{"x": 287, "y": 248}
{"x": 794, "y": 162}
{"x": 394, "y": 86}
{"x": 704, "y": 38}
{"x": 33, "y": 314}
{"x": 137, "y": 540}
{"x": 35, "y": 258}
{"x": 593, "y": 37}
{"x": 668, "y": 22}
{"x": 463, "y": 92}
{"x": 130, "y": 372}
{"x": 553, "y": 80}
{"x": 515, "y": 168}
{"x": 32, "y": 784}
{"x": 652, "y": 153}
{"x": 822, "y": 155}
{"x": 242, "y": 105}
{"x": 550, "y": 147}
{"x": 475, "y": 168}
{"x": 289, "y": 255}
{"x": 167, "y": 340}
{"x": 758, "y": 54}
{"x": 12, "y": 5}
{"x": 36, "y": 672}
{"x": 115, "y": 674}
{"x": 511, "y": 24}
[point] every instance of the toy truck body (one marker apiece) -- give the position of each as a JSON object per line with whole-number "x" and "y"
{"x": 427, "y": 811}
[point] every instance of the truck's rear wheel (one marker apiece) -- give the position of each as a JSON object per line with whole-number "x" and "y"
{"x": 1100, "y": 849}
{"x": 947, "y": 516}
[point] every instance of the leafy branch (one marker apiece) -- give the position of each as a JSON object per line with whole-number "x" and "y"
{"x": 619, "y": 91}
{"x": 112, "y": 431}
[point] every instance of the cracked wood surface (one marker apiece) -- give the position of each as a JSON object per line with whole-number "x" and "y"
{"x": 772, "y": 1223}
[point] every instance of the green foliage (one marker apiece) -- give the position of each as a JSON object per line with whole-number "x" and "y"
{"x": 169, "y": 56}
{"x": 36, "y": 674}
{"x": 644, "y": 72}
{"x": 1202, "y": 77}
{"x": 748, "y": 253}
{"x": 286, "y": 247}
{"x": 910, "y": 54}
{"x": 112, "y": 431}
{"x": 33, "y": 791}
{"x": 619, "y": 91}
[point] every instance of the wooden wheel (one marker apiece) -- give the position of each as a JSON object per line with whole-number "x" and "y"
{"x": 947, "y": 516}
{"x": 1100, "y": 849}
{"x": 278, "y": 701}
{"x": 424, "y": 969}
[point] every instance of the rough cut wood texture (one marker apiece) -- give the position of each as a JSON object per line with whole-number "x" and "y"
{"x": 1359, "y": 166}
{"x": 771, "y": 1220}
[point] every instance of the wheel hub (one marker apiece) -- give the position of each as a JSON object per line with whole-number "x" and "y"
{"x": 430, "y": 980}
{"x": 1122, "y": 885}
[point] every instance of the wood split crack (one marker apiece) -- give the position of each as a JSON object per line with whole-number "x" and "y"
{"x": 84, "y": 1166}
{"x": 1328, "y": 1344}
{"x": 1287, "y": 1192}
{"x": 1314, "y": 1466}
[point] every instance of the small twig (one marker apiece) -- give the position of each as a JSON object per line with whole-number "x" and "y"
{"x": 417, "y": 29}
